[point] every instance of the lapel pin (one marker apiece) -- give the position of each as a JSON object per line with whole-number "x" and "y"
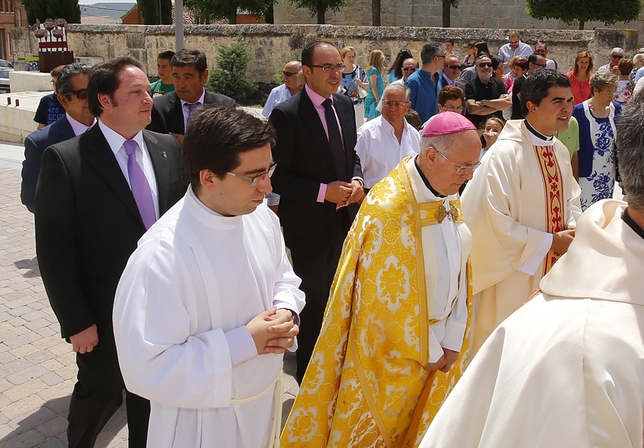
{"x": 165, "y": 156}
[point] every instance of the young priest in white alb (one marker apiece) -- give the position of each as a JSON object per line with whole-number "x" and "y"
{"x": 208, "y": 302}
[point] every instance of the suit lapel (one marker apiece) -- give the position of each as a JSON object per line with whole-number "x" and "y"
{"x": 312, "y": 122}
{"x": 64, "y": 130}
{"x": 100, "y": 156}
{"x": 176, "y": 114}
{"x": 161, "y": 168}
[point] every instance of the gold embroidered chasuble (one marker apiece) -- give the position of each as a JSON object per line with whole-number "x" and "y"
{"x": 366, "y": 374}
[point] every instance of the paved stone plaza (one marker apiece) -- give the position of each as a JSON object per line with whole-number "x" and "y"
{"x": 37, "y": 367}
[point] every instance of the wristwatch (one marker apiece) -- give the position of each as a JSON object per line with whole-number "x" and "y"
{"x": 483, "y": 102}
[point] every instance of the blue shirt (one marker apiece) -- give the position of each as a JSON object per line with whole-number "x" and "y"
{"x": 424, "y": 98}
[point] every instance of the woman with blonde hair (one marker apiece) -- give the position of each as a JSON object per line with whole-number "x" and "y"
{"x": 376, "y": 84}
{"x": 580, "y": 77}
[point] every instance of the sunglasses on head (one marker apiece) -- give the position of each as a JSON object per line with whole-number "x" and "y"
{"x": 80, "y": 94}
{"x": 288, "y": 74}
{"x": 485, "y": 64}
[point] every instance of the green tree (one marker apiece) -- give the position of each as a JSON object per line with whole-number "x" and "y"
{"x": 584, "y": 11}
{"x": 54, "y": 9}
{"x": 211, "y": 10}
{"x": 320, "y": 7}
{"x": 230, "y": 77}
{"x": 149, "y": 9}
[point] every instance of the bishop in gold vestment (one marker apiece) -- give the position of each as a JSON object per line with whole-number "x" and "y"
{"x": 398, "y": 314}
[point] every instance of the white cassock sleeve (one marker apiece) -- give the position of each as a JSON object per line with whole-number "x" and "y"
{"x": 159, "y": 357}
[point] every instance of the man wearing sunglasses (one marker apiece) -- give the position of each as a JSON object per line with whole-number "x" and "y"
{"x": 283, "y": 92}
{"x": 71, "y": 86}
{"x": 485, "y": 95}
{"x": 450, "y": 73}
{"x": 616, "y": 55}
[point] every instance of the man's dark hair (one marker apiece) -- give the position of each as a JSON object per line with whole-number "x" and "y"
{"x": 532, "y": 59}
{"x": 307, "y": 53}
{"x": 64, "y": 84}
{"x": 450, "y": 41}
{"x": 482, "y": 48}
{"x": 104, "y": 78}
{"x": 429, "y": 51}
{"x": 630, "y": 138}
{"x": 184, "y": 57}
{"x": 217, "y": 136}
{"x": 536, "y": 85}
{"x": 167, "y": 55}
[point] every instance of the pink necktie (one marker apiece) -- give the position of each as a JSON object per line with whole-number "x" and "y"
{"x": 140, "y": 186}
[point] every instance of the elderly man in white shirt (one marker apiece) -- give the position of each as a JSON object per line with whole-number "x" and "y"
{"x": 386, "y": 140}
{"x": 285, "y": 91}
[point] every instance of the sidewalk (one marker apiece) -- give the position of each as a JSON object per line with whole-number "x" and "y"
{"x": 37, "y": 367}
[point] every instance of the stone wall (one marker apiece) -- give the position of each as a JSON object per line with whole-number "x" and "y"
{"x": 495, "y": 14}
{"x": 273, "y": 45}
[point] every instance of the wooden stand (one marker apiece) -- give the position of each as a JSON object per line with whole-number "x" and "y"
{"x": 51, "y": 59}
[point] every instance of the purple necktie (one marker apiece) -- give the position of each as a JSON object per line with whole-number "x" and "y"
{"x": 191, "y": 110}
{"x": 140, "y": 186}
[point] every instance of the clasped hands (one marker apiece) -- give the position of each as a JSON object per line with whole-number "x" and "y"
{"x": 343, "y": 193}
{"x": 273, "y": 331}
{"x": 445, "y": 362}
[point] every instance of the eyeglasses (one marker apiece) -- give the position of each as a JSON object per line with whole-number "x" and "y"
{"x": 454, "y": 67}
{"x": 80, "y": 94}
{"x": 288, "y": 74}
{"x": 394, "y": 103}
{"x": 256, "y": 179}
{"x": 609, "y": 92}
{"x": 541, "y": 65}
{"x": 460, "y": 169}
{"x": 444, "y": 55}
{"x": 453, "y": 108}
{"x": 485, "y": 64}
{"x": 328, "y": 68}
{"x": 616, "y": 56}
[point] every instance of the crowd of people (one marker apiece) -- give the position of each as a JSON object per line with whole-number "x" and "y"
{"x": 186, "y": 244}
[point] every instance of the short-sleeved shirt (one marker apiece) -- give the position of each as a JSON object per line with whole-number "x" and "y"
{"x": 158, "y": 88}
{"x": 570, "y": 137}
{"x": 477, "y": 91}
{"x": 49, "y": 110}
{"x": 423, "y": 96}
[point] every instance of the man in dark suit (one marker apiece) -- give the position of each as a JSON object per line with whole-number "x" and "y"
{"x": 318, "y": 175}
{"x": 96, "y": 196}
{"x": 172, "y": 112}
{"x": 72, "y": 94}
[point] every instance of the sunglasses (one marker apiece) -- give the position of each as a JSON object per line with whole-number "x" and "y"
{"x": 616, "y": 56}
{"x": 454, "y": 67}
{"x": 408, "y": 69}
{"x": 485, "y": 64}
{"x": 288, "y": 74}
{"x": 80, "y": 94}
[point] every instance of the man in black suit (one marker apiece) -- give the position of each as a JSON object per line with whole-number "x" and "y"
{"x": 96, "y": 196}
{"x": 172, "y": 112}
{"x": 318, "y": 175}
{"x": 71, "y": 86}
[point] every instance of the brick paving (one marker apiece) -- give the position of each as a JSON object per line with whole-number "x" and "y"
{"x": 37, "y": 367}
